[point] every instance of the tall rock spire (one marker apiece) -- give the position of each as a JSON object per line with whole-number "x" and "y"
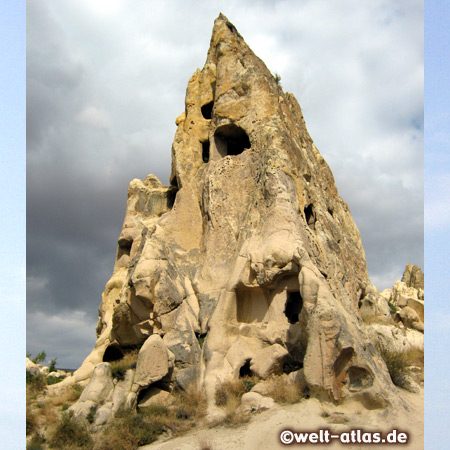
{"x": 250, "y": 251}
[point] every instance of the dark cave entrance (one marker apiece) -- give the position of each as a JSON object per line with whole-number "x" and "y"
{"x": 205, "y": 151}
{"x": 293, "y": 307}
{"x": 112, "y": 353}
{"x": 245, "y": 370}
{"x": 207, "y": 110}
{"x": 310, "y": 216}
{"x": 231, "y": 140}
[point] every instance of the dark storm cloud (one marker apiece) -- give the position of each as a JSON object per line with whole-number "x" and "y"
{"x": 106, "y": 80}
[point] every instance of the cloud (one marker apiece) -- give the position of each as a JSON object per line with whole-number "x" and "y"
{"x": 68, "y": 337}
{"x": 97, "y": 118}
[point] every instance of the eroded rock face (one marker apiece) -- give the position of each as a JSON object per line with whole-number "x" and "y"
{"x": 249, "y": 252}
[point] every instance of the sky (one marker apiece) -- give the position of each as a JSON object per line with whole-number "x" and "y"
{"x": 104, "y": 86}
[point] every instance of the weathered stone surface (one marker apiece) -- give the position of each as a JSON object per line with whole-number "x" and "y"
{"x": 98, "y": 390}
{"x": 413, "y": 277}
{"x": 254, "y": 402}
{"x": 410, "y": 318}
{"x": 250, "y": 252}
{"x": 33, "y": 368}
{"x": 155, "y": 396}
{"x": 153, "y": 362}
{"x": 269, "y": 361}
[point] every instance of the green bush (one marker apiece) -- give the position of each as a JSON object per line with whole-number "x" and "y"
{"x": 40, "y": 357}
{"x": 91, "y": 414}
{"x": 54, "y": 380}
{"x": 52, "y": 365}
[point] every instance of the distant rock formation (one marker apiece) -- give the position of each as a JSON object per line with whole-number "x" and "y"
{"x": 413, "y": 277}
{"x": 249, "y": 262}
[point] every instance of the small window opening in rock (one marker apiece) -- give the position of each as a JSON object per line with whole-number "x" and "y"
{"x": 231, "y": 140}
{"x": 310, "y": 216}
{"x": 207, "y": 110}
{"x": 200, "y": 338}
{"x": 124, "y": 247}
{"x": 330, "y": 212}
{"x": 112, "y": 353}
{"x": 245, "y": 370}
{"x": 205, "y": 151}
{"x": 231, "y": 27}
{"x": 293, "y": 307}
{"x": 307, "y": 177}
{"x": 171, "y": 195}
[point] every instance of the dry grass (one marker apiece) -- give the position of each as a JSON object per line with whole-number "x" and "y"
{"x": 228, "y": 396}
{"x": 283, "y": 390}
{"x": 404, "y": 366}
{"x": 131, "y": 429}
{"x": 120, "y": 367}
{"x": 69, "y": 434}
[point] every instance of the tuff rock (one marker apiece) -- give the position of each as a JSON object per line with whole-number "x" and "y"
{"x": 249, "y": 259}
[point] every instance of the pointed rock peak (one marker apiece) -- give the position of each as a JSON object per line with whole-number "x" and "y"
{"x": 251, "y": 262}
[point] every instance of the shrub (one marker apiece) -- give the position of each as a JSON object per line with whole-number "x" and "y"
{"x": 69, "y": 434}
{"x": 91, "y": 414}
{"x": 30, "y": 421}
{"x": 129, "y": 430}
{"x": 228, "y": 391}
{"x": 284, "y": 390}
{"x": 40, "y": 357}
{"x": 35, "y": 383}
{"x": 52, "y": 366}
{"x": 277, "y": 79}
{"x": 392, "y": 307}
{"x": 36, "y": 443}
{"x": 75, "y": 393}
{"x": 120, "y": 367}
{"x": 398, "y": 367}
{"x": 54, "y": 380}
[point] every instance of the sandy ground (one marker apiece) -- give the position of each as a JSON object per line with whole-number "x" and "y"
{"x": 263, "y": 431}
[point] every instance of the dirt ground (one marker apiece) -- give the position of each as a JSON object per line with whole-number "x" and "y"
{"x": 263, "y": 431}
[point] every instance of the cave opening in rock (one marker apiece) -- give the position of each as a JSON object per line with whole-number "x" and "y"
{"x": 124, "y": 247}
{"x": 205, "y": 151}
{"x": 207, "y": 110}
{"x": 293, "y": 307}
{"x": 245, "y": 370}
{"x": 231, "y": 140}
{"x": 310, "y": 216}
{"x": 112, "y": 353}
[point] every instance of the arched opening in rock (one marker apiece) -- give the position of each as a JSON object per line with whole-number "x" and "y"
{"x": 245, "y": 370}
{"x": 124, "y": 247}
{"x": 310, "y": 216}
{"x": 207, "y": 110}
{"x": 359, "y": 378}
{"x": 252, "y": 305}
{"x": 231, "y": 140}
{"x": 172, "y": 192}
{"x": 205, "y": 151}
{"x": 112, "y": 353}
{"x": 293, "y": 307}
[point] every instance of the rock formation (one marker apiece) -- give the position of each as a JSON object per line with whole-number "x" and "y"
{"x": 249, "y": 262}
